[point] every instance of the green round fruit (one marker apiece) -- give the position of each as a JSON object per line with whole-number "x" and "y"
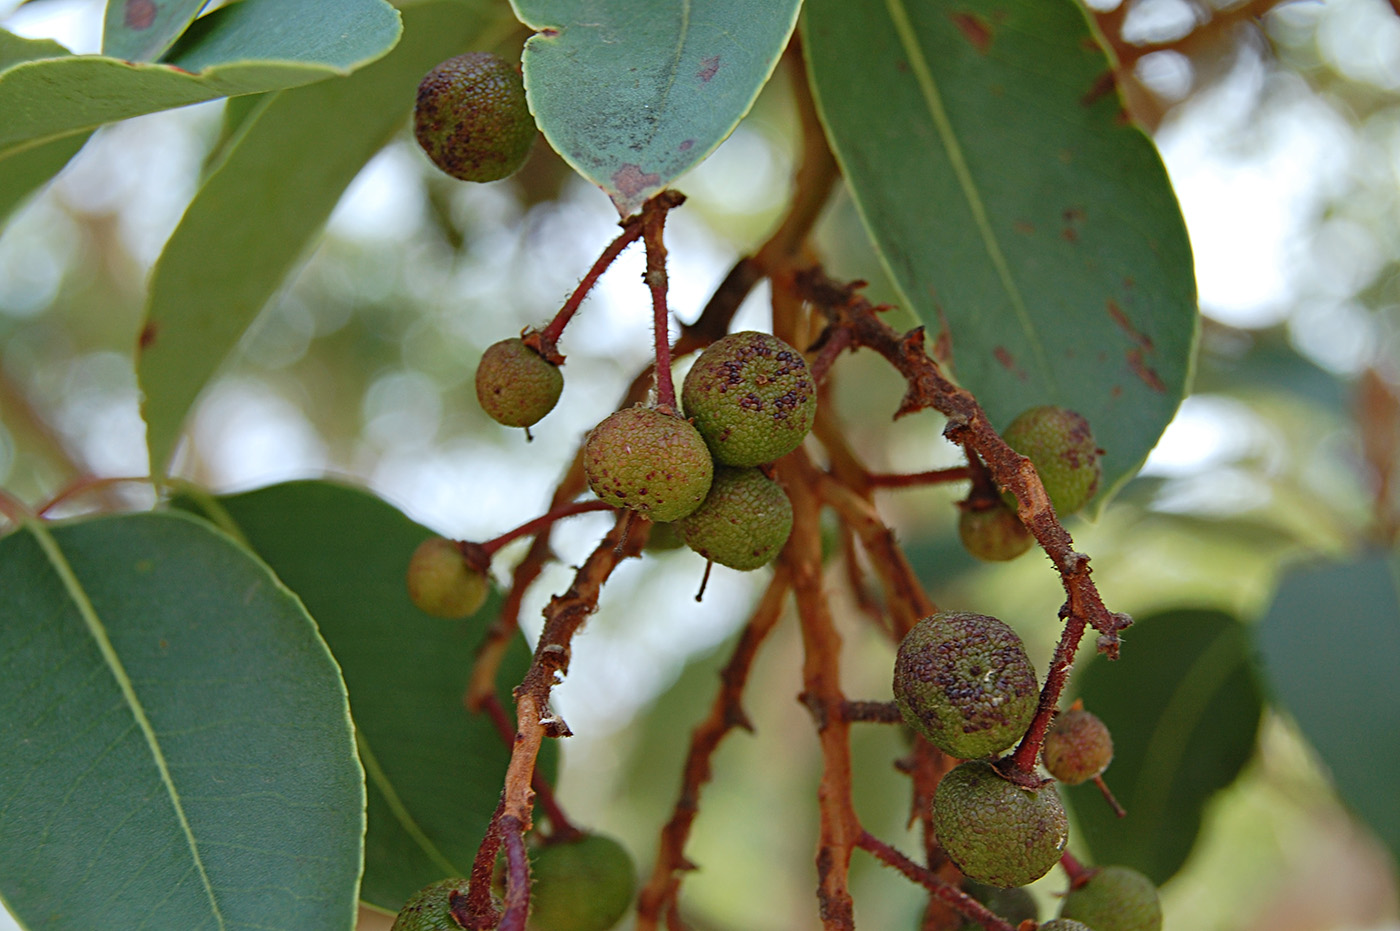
{"x": 964, "y": 682}
{"x": 441, "y": 583}
{"x": 744, "y": 522}
{"x": 1115, "y": 898}
{"x": 1065, "y": 454}
{"x": 1077, "y": 747}
{"x": 581, "y": 885}
{"x": 1015, "y": 905}
{"x": 995, "y": 831}
{"x": 752, "y": 398}
{"x": 430, "y": 908}
{"x": 515, "y": 385}
{"x": 1064, "y": 924}
{"x": 471, "y": 117}
{"x": 648, "y": 461}
{"x": 993, "y": 534}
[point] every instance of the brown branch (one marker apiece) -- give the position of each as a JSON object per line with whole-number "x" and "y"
{"x": 874, "y": 712}
{"x": 726, "y": 713}
{"x": 533, "y": 527}
{"x": 564, "y": 616}
{"x": 562, "y": 827}
{"x": 968, "y": 426}
{"x": 821, "y": 680}
{"x": 934, "y": 477}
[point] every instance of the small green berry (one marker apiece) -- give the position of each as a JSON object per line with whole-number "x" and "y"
{"x": 1062, "y": 447}
{"x": 995, "y": 831}
{"x": 1077, "y": 747}
{"x": 1115, "y": 898}
{"x": 441, "y": 583}
{"x": 649, "y": 461}
{"x": 472, "y": 119}
{"x": 993, "y": 534}
{"x": 1064, "y": 924}
{"x": 430, "y": 908}
{"x": 964, "y": 682}
{"x": 581, "y": 885}
{"x": 752, "y": 398}
{"x": 515, "y": 385}
{"x": 745, "y": 520}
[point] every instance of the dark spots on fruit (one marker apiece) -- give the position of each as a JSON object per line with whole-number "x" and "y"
{"x": 1145, "y": 372}
{"x": 148, "y": 335}
{"x": 751, "y": 402}
{"x": 631, "y": 181}
{"x": 975, "y": 30}
{"x": 709, "y": 67}
{"x": 1102, "y": 86}
{"x": 1127, "y": 327}
{"x": 1069, "y": 234}
{"x": 139, "y": 14}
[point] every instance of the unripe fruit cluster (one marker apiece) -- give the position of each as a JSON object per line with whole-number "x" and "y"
{"x": 750, "y": 399}
{"x": 1115, "y": 898}
{"x": 996, "y": 831}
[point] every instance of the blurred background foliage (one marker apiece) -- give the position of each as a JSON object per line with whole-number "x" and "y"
{"x": 1283, "y": 141}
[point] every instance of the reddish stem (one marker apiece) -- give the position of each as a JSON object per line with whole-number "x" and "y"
{"x": 875, "y": 712}
{"x": 935, "y": 477}
{"x": 533, "y": 527}
{"x": 86, "y": 484}
{"x": 1109, "y": 797}
{"x": 654, "y": 225}
{"x": 1078, "y": 873}
{"x": 1023, "y": 760}
{"x": 549, "y": 336}
{"x": 517, "y": 901}
{"x": 922, "y": 875}
{"x": 564, "y": 829}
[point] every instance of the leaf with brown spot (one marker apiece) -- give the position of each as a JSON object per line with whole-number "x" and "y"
{"x": 634, "y": 93}
{"x": 999, "y": 140}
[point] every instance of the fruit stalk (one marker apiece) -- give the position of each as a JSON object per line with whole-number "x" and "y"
{"x": 532, "y": 527}
{"x": 949, "y": 893}
{"x": 546, "y": 340}
{"x": 653, "y": 229}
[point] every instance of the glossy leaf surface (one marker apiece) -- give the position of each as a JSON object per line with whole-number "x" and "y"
{"x": 633, "y": 93}
{"x": 281, "y": 176}
{"x": 434, "y": 770}
{"x": 1331, "y": 645}
{"x": 243, "y": 48}
{"x": 176, "y": 739}
{"x": 140, "y": 30}
{"x": 1183, "y": 706}
{"x": 1032, "y": 230}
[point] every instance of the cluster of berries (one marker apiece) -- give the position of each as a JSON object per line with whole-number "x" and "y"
{"x": 965, "y": 683}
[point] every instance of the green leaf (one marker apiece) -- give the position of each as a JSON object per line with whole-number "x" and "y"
{"x": 25, "y": 171}
{"x": 434, "y": 770}
{"x": 176, "y": 740}
{"x": 15, "y": 49}
{"x": 1032, "y": 230}
{"x": 140, "y": 30}
{"x": 1331, "y": 645}
{"x": 248, "y": 226}
{"x": 1184, "y": 708}
{"x": 243, "y": 48}
{"x": 632, "y": 93}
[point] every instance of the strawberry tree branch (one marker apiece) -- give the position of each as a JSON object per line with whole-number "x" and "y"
{"x": 856, "y": 320}
{"x": 545, "y": 341}
{"x": 564, "y": 616}
{"x": 821, "y": 680}
{"x": 925, "y": 877}
{"x": 659, "y": 894}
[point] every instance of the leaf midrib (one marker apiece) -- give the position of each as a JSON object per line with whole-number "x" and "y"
{"x": 933, "y": 100}
{"x": 98, "y": 631}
